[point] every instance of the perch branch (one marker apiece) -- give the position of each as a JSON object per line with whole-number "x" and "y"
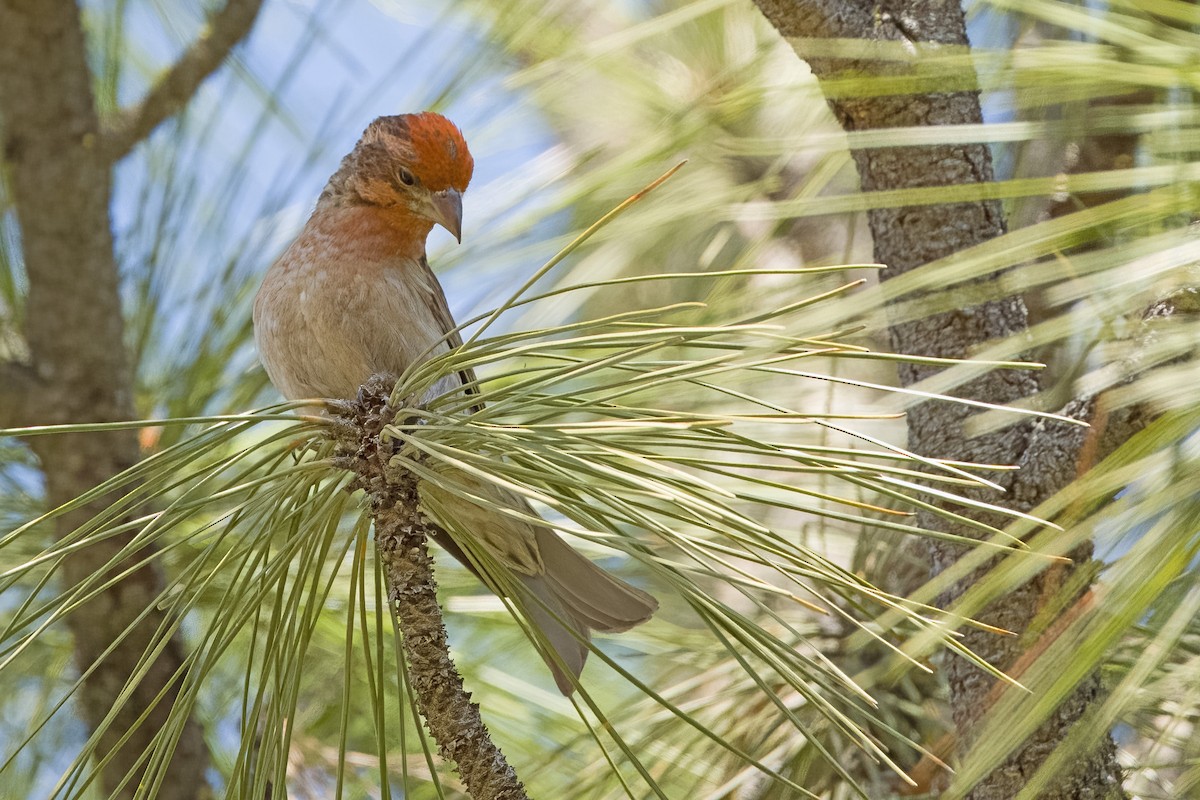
{"x": 401, "y": 539}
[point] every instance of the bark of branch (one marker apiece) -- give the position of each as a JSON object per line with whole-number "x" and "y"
{"x": 894, "y": 36}
{"x": 222, "y": 32}
{"x": 401, "y": 537}
{"x": 74, "y": 330}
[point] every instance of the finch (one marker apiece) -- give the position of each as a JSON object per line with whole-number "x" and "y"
{"x": 354, "y": 296}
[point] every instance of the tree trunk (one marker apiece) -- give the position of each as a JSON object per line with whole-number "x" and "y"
{"x": 402, "y": 535}
{"x": 80, "y": 369}
{"x": 896, "y": 36}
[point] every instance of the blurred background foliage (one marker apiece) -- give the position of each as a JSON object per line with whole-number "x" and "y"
{"x": 570, "y": 107}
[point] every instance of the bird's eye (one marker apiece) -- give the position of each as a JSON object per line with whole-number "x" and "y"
{"x": 407, "y": 178}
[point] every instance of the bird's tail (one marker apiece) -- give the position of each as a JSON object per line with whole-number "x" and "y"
{"x": 575, "y": 597}
{"x": 570, "y": 596}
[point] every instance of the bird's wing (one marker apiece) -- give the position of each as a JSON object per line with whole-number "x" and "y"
{"x": 441, "y": 312}
{"x": 511, "y": 538}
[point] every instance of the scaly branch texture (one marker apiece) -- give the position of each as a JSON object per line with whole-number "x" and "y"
{"x": 224, "y": 29}
{"x": 889, "y": 40}
{"x": 401, "y": 541}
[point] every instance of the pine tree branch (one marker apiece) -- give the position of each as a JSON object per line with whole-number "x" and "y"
{"x": 221, "y": 33}
{"x": 402, "y": 534}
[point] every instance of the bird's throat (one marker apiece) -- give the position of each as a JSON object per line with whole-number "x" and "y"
{"x": 373, "y": 233}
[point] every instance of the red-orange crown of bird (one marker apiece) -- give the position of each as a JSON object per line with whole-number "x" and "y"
{"x": 439, "y": 155}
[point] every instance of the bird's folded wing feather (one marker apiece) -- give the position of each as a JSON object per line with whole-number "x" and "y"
{"x": 506, "y": 537}
{"x": 441, "y": 312}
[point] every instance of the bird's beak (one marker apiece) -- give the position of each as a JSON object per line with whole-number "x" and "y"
{"x": 447, "y": 211}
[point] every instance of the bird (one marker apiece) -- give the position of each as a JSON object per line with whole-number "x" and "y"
{"x": 354, "y": 296}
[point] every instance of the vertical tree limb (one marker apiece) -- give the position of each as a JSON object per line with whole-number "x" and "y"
{"x": 893, "y": 37}
{"x": 60, "y": 183}
{"x": 402, "y": 534}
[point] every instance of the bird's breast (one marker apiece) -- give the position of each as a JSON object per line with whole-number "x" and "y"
{"x": 332, "y": 312}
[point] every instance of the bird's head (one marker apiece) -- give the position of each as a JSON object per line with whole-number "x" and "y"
{"x": 416, "y": 164}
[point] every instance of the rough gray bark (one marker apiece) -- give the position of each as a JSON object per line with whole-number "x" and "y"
{"x": 897, "y": 34}
{"x": 401, "y": 541}
{"x": 60, "y": 183}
